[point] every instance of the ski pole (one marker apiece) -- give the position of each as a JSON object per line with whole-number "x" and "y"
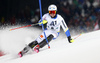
{"x": 78, "y": 36}
{"x": 42, "y": 24}
{"x": 24, "y": 26}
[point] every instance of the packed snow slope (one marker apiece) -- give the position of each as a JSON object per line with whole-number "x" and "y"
{"x": 85, "y": 49}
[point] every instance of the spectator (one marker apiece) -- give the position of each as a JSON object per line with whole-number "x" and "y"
{"x": 13, "y": 20}
{"x": 85, "y": 7}
{"x": 2, "y": 20}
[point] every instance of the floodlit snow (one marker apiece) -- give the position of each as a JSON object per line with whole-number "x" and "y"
{"x": 85, "y": 49}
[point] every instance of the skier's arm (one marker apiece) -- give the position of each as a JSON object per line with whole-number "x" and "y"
{"x": 44, "y": 21}
{"x": 66, "y": 30}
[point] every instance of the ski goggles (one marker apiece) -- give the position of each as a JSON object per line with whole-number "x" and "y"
{"x": 52, "y": 12}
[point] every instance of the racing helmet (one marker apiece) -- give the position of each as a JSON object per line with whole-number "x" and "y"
{"x": 52, "y": 8}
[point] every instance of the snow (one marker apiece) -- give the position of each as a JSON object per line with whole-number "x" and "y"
{"x": 85, "y": 49}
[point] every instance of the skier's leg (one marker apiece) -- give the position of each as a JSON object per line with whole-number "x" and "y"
{"x": 43, "y": 43}
{"x": 27, "y": 48}
{"x": 34, "y": 43}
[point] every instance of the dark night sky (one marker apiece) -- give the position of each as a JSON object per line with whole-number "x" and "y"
{"x": 12, "y": 7}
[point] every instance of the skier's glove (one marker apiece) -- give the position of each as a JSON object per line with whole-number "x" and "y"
{"x": 70, "y": 40}
{"x": 43, "y": 22}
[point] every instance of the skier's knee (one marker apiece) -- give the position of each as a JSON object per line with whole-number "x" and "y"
{"x": 32, "y": 44}
{"x": 44, "y": 42}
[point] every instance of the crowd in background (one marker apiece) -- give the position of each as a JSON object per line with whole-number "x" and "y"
{"x": 78, "y": 14}
{"x": 81, "y": 14}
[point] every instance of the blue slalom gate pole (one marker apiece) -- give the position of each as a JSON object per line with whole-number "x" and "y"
{"x": 42, "y": 24}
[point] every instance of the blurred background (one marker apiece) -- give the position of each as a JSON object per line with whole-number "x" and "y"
{"x": 80, "y": 15}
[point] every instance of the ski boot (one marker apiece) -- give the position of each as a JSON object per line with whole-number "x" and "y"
{"x": 36, "y": 49}
{"x": 20, "y": 54}
{"x": 25, "y": 50}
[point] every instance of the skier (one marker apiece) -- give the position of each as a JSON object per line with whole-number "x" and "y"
{"x": 53, "y": 22}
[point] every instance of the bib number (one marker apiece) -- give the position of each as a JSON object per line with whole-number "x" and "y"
{"x": 53, "y": 23}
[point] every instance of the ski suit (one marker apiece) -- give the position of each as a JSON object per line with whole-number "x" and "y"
{"x": 53, "y": 27}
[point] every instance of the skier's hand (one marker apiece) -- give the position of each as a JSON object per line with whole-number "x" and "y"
{"x": 43, "y": 22}
{"x": 70, "y": 40}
